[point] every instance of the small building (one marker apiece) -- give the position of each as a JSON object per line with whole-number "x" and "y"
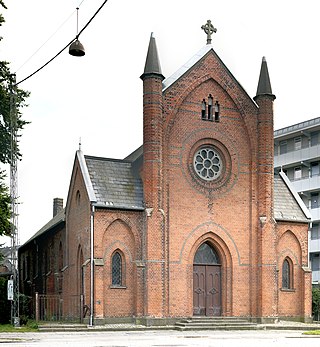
{"x": 192, "y": 223}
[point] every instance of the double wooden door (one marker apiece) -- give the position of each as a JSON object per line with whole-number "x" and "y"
{"x": 206, "y": 290}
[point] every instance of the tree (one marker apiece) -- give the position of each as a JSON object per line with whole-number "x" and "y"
{"x": 5, "y": 212}
{"x": 316, "y": 303}
{"x": 12, "y": 100}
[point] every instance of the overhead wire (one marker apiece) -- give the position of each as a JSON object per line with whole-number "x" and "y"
{"x": 50, "y": 37}
{"x": 67, "y": 45}
{"x": 45, "y": 42}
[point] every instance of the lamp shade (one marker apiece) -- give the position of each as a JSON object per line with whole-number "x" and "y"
{"x": 76, "y": 49}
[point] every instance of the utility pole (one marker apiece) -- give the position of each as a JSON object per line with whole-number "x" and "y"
{"x": 15, "y": 319}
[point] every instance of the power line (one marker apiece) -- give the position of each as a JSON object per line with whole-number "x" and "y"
{"x": 50, "y": 37}
{"x": 81, "y": 31}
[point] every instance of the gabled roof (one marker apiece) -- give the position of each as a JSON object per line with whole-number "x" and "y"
{"x": 169, "y": 81}
{"x": 115, "y": 183}
{"x": 288, "y": 205}
{"x": 185, "y": 67}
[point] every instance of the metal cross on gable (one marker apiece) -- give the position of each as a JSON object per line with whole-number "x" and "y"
{"x": 209, "y": 29}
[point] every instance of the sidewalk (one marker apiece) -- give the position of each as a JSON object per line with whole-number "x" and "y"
{"x": 280, "y": 325}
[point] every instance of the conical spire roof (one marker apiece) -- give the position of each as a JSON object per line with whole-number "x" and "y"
{"x": 152, "y": 66}
{"x": 264, "y": 85}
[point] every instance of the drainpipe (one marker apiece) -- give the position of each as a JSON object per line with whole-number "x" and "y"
{"x": 91, "y": 266}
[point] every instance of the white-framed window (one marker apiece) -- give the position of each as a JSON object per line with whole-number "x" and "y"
{"x": 297, "y": 143}
{"x": 314, "y": 200}
{"x": 297, "y": 173}
{"x": 315, "y": 263}
{"x": 315, "y": 231}
{"x": 315, "y": 169}
{"x": 283, "y": 147}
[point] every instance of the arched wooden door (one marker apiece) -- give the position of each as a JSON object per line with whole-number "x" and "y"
{"x": 206, "y": 282}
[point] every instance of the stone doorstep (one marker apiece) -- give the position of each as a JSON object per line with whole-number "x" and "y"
{"x": 196, "y": 323}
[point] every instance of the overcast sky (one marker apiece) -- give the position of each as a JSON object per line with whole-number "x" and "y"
{"x": 98, "y": 97}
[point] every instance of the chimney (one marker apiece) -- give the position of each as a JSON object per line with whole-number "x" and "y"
{"x": 57, "y": 206}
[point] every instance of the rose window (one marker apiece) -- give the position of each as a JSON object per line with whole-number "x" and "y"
{"x": 207, "y": 163}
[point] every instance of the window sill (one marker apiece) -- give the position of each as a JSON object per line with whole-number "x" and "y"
{"x": 117, "y": 287}
{"x": 288, "y": 290}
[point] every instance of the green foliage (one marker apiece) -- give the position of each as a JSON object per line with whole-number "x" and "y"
{"x": 5, "y": 211}
{"x": 1, "y": 16}
{"x": 12, "y": 100}
{"x": 316, "y": 303}
{"x": 25, "y": 308}
{"x": 5, "y": 304}
{"x": 9, "y": 328}
{"x": 312, "y": 332}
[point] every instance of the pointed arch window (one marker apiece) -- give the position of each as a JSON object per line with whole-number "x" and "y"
{"x": 206, "y": 255}
{"x": 116, "y": 269}
{"x": 287, "y": 274}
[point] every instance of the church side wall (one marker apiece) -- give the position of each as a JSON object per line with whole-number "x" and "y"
{"x": 77, "y": 273}
{"x": 295, "y": 301}
{"x": 118, "y": 231}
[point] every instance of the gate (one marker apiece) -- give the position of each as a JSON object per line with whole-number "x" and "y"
{"x": 58, "y": 308}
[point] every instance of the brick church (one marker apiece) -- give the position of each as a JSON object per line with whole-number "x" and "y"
{"x": 192, "y": 223}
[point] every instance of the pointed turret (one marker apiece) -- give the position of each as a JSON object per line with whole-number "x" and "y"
{"x": 152, "y": 66}
{"x": 152, "y": 172}
{"x": 265, "y": 158}
{"x": 264, "y": 85}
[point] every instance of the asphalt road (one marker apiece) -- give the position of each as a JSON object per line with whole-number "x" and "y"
{"x": 167, "y": 338}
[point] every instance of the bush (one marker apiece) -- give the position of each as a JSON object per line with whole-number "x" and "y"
{"x": 316, "y": 303}
{"x": 5, "y": 304}
{"x": 24, "y": 307}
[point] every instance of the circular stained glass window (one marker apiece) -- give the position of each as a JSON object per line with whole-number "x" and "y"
{"x": 207, "y": 163}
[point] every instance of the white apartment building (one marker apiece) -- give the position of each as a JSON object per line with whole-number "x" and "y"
{"x": 297, "y": 152}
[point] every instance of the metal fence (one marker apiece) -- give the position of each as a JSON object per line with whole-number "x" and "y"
{"x": 59, "y": 308}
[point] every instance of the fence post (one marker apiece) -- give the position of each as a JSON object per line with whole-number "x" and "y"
{"x": 37, "y": 307}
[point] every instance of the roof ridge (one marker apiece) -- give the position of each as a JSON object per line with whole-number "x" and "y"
{"x": 106, "y": 159}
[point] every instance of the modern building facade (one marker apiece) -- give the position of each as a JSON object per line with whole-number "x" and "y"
{"x": 297, "y": 152}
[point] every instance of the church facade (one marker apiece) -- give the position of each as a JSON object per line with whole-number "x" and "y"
{"x": 192, "y": 223}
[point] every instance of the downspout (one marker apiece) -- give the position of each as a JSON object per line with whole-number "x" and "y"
{"x": 91, "y": 267}
{"x": 309, "y": 240}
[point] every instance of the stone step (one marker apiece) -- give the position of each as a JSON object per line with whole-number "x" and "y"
{"x": 215, "y": 323}
{"x": 220, "y": 327}
{"x": 62, "y": 327}
{"x": 204, "y": 321}
{"x": 217, "y": 318}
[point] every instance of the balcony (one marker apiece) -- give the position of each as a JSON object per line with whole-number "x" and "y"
{"x": 314, "y": 246}
{"x": 295, "y": 157}
{"x": 315, "y": 213}
{"x": 306, "y": 184}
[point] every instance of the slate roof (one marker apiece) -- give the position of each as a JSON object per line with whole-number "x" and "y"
{"x": 288, "y": 206}
{"x": 115, "y": 183}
